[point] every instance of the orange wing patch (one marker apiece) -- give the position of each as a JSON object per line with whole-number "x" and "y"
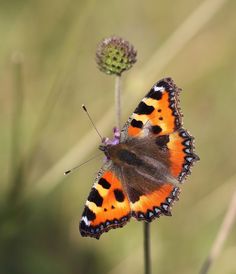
{"x": 182, "y": 157}
{"x": 150, "y": 206}
{"x": 159, "y": 111}
{"x": 107, "y": 206}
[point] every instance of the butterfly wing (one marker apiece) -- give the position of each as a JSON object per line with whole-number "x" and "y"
{"x": 147, "y": 206}
{"x": 159, "y": 114}
{"x": 107, "y": 206}
{"x": 182, "y": 157}
{"x": 157, "y": 124}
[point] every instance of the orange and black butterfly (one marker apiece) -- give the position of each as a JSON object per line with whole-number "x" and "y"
{"x": 145, "y": 164}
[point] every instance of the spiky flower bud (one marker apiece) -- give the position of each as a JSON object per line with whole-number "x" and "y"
{"x": 114, "y": 55}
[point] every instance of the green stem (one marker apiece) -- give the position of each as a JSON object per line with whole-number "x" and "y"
{"x": 118, "y": 101}
{"x": 147, "y": 253}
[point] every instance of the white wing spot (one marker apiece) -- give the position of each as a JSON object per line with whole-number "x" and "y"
{"x": 187, "y": 143}
{"x": 161, "y": 89}
{"x": 85, "y": 219}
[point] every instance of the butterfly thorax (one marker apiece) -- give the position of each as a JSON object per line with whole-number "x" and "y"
{"x": 122, "y": 155}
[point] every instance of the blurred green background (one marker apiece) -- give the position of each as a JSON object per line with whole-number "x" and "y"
{"x": 48, "y": 69}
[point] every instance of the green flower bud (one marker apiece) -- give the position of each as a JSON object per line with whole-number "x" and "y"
{"x": 115, "y": 55}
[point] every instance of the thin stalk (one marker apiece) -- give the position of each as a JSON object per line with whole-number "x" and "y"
{"x": 118, "y": 100}
{"x": 224, "y": 231}
{"x": 147, "y": 251}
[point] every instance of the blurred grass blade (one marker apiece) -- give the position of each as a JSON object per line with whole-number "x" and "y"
{"x": 180, "y": 37}
{"x": 69, "y": 61}
{"x": 207, "y": 204}
{"x": 16, "y": 167}
{"x": 76, "y": 154}
{"x": 222, "y": 235}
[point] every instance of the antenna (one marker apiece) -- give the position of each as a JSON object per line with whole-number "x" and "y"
{"x": 74, "y": 168}
{"x": 90, "y": 119}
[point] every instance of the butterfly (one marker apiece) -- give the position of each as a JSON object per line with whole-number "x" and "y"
{"x": 145, "y": 163}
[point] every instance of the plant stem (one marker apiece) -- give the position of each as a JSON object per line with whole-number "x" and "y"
{"x": 224, "y": 231}
{"x": 146, "y": 245}
{"x": 118, "y": 101}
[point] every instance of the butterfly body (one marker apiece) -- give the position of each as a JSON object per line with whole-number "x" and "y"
{"x": 144, "y": 165}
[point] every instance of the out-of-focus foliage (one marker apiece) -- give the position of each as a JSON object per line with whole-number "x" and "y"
{"x": 47, "y": 70}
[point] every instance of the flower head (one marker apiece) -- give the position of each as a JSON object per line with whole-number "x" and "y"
{"x": 114, "y": 55}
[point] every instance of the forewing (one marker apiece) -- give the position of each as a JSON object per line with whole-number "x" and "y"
{"x": 158, "y": 113}
{"x": 107, "y": 206}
